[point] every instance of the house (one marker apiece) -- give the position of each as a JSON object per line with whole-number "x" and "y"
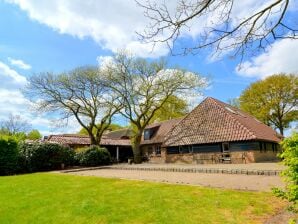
{"x": 213, "y": 132}
{"x": 217, "y": 132}
{"x": 153, "y": 138}
{"x": 117, "y": 143}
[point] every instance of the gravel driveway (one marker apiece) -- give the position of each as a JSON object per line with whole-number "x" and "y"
{"x": 228, "y": 181}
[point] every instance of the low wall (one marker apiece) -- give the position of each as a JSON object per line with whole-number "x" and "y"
{"x": 179, "y": 158}
{"x": 265, "y": 156}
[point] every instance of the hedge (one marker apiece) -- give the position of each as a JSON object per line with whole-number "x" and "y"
{"x": 94, "y": 156}
{"x": 44, "y": 157}
{"x": 28, "y": 157}
{"x": 8, "y": 156}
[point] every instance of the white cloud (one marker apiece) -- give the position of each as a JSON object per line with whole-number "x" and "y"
{"x": 19, "y": 63}
{"x": 12, "y": 101}
{"x": 112, "y": 24}
{"x": 15, "y": 103}
{"x": 282, "y": 56}
{"x": 104, "y": 61}
{"x": 9, "y": 78}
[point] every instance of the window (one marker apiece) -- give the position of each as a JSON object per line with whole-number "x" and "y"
{"x": 261, "y": 146}
{"x": 206, "y": 148}
{"x": 147, "y": 134}
{"x": 157, "y": 150}
{"x": 225, "y": 147}
{"x": 173, "y": 150}
{"x": 244, "y": 146}
{"x": 185, "y": 149}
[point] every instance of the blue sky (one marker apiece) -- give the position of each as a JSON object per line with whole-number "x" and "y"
{"x": 56, "y": 36}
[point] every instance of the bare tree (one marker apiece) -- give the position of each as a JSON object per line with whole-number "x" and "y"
{"x": 79, "y": 94}
{"x": 144, "y": 87}
{"x": 220, "y": 24}
{"x": 15, "y": 124}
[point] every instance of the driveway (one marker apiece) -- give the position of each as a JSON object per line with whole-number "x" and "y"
{"x": 227, "y": 181}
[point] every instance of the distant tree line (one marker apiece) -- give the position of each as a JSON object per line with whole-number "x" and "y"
{"x": 19, "y": 128}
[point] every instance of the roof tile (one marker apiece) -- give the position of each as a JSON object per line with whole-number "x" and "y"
{"x": 214, "y": 121}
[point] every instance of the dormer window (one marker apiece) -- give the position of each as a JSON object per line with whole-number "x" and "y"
{"x": 147, "y": 134}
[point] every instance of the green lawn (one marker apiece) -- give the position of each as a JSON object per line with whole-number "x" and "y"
{"x": 60, "y": 198}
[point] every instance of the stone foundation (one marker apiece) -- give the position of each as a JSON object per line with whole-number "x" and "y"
{"x": 209, "y": 158}
{"x": 236, "y": 157}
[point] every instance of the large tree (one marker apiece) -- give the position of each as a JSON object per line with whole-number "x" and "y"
{"x": 175, "y": 107}
{"x": 79, "y": 94}
{"x": 273, "y": 100}
{"x": 144, "y": 88}
{"x": 34, "y": 135}
{"x": 223, "y": 25}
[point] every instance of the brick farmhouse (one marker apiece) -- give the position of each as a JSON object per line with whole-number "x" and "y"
{"x": 213, "y": 132}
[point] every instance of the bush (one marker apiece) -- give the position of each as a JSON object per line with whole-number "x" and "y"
{"x": 24, "y": 157}
{"x": 44, "y": 156}
{"x": 8, "y": 156}
{"x": 94, "y": 156}
{"x": 290, "y": 159}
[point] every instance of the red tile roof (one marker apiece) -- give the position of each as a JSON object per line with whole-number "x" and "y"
{"x": 124, "y": 133}
{"x": 214, "y": 121}
{"x": 162, "y": 129}
{"x": 74, "y": 139}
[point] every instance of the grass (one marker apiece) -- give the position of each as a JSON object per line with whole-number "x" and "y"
{"x": 61, "y": 198}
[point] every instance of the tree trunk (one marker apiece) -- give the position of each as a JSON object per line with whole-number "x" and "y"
{"x": 136, "y": 143}
{"x": 281, "y": 130}
{"x": 280, "y": 125}
{"x": 93, "y": 140}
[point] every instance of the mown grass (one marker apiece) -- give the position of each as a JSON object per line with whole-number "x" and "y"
{"x": 60, "y": 198}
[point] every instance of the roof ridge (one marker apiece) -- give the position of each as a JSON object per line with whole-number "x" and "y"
{"x": 218, "y": 102}
{"x": 177, "y": 118}
{"x": 69, "y": 135}
{"x": 121, "y": 129}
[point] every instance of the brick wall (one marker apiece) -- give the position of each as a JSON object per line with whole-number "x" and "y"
{"x": 150, "y": 154}
{"x": 207, "y": 158}
{"x": 265, "y": 156}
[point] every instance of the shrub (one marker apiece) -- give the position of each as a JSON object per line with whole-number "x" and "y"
{"x": 290, "y": 159}
{"x": 24, "y": 158}
{"x": 94, "y": 156}
{"x": 44, "y": 156}
{"x": 8, "y": 156}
